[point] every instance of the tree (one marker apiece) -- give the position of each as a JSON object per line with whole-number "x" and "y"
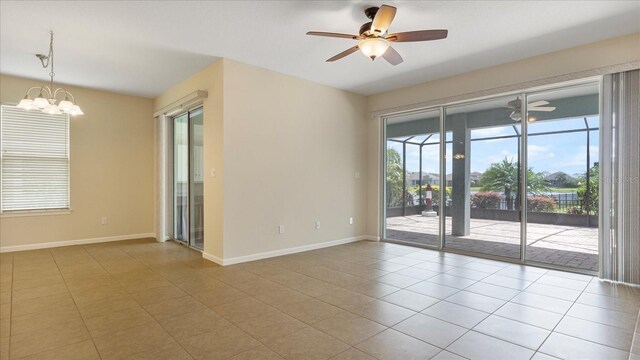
{"x": 589, "y": 199}
{"x": 503, "y": 176}
{"x": 394, "y": 178}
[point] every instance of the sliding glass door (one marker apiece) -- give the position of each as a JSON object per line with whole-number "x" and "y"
{"x": 413, "y": 178}
{"x": 519, "y": 177}
{"x": 188, "y": 179}
{"x": 483, "y": 177}
{"x": 562, "y": 156}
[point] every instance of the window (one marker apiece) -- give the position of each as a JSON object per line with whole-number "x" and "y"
{"x": 34, "y": 160}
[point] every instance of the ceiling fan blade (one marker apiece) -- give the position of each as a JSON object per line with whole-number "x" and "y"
{"x": 545, "y": 109}
{"x": 330, "y": 34}
{"x": 343, "y": 54}
{"x": 538, "y": 103}
{"x": 383, "y": 19}
{"x": 392, "y": 56}
{"x": 419, "y": 35}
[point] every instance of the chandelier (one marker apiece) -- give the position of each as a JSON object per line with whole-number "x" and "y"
{"x": 48, "y": 100}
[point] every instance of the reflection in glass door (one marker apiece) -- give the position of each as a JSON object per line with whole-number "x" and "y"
{"x": 413, "y": 178}
{"x": 188, "y": 179}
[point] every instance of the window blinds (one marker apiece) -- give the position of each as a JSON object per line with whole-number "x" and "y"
{"x": 34, "y": 160}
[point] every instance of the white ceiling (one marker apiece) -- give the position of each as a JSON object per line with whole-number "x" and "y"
{"x": 145, "y": 47}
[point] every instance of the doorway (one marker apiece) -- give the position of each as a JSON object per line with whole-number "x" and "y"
{"x": 188, "y": 179}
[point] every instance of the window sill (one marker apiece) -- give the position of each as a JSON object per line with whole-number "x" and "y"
{"x": 10, "y": 214}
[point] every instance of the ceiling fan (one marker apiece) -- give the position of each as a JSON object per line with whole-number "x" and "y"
{"x": 516, "y": 106}
{"x": 373, "y": 39}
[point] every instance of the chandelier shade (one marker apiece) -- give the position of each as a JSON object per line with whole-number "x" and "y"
{"x": 50, "y": 100}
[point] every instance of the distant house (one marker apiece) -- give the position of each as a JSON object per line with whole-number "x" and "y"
{"x": 559, "y": 179}
{"x": 413, "y": 178}
{"x": 474, "y": 179}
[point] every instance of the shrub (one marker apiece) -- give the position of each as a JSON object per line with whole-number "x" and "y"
{"x": 541, "y": 204}
{"x": 435, "y": 193}
{"x": 485, "y": 200}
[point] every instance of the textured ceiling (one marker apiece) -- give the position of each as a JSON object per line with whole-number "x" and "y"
{"x": 145, "y": 47}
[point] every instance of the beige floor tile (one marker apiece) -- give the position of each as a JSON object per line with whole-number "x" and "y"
{"x": 31, "y": 293}
{"x": 117, "y": 321}
{"x": 603, "y": 316}
{"x": 29, "y": 306}
{"x": 34, "y": 342}
{"x": 5, "y": 296}
{"x": 5, "y": 311}
{"x": 4, "y": 348}
{"x": 222, "y": 295}
{"x": 344, "y": 298}
{"x": 43, "y": 319}
{"x": 37, "y": 281}
{"x": 193, "y": 323}
{"x": 222, "y": 344}
{"x": 282, "y": 297}
{"x": 170, "y": 351}
{"x": 474, "y": 345}
{"x": 392, "y": 345}
{"x": 123, "y": 344}
{"x": 350, "y": 328}
{"x": 106, "y": 306}
{"x": 271, "y": 325}
{"x": 84, "y": 350}
{"x": 383, "y": 312}
{"x": 446, "y": 355}
{"x": 375, "y": 289}
{"x": 5, "y": 328}
{"x": 431, "y": 330}
{"x": 353, "y": 354}
{"x": 311, "y": 311}
{"x": 173, "y": 307}
{"x": 530, "y": 315}
{"x": 158, "y": 294}
{"x": 242, "y": 309}
{"x": 259, "y": 353}
{"x": 307, "y": 344}
{"x": 513, "y": 331}
{"x": 410, "y": 300}
{"x": 596, "y": 332}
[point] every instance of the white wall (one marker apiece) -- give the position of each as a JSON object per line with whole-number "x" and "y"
{"x": 112, "y": 167}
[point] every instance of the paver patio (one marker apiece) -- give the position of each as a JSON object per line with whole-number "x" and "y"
{"x": 569, "y": 246}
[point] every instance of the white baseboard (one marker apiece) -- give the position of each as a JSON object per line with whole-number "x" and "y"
{"x": 371, "y": 238}
{"x": 293, "y": 250}
{"x": 53, "y": 244}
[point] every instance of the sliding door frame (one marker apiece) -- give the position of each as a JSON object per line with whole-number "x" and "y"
{"x": 523, "y": 94}
{"x": 187, "y": 234}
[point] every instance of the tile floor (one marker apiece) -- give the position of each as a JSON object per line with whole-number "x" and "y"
{"x": 366, "y": 300}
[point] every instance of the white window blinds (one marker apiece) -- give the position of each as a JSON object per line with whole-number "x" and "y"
{"x": 34, "y": 160}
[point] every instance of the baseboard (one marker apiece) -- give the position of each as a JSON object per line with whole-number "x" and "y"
{"x": 53, "y": 244}
{"x": 371, "y": 238}
{"x": 293, "y": 250}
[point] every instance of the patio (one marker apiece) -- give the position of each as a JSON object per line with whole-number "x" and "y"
{"x": 568, "y": 246}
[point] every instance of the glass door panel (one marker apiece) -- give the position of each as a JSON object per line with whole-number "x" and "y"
{"x": 482, "y": 175}
{"x": 562, "y": 185}
{"x": 180, "y": 177}
{"x": 413, "y": 178}
{"x": 196, "y": 180}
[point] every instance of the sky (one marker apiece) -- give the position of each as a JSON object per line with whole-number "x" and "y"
{"x": 559, "y": 152}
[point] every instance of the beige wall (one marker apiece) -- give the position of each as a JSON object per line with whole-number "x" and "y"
{"x": 112, "y": 167}
{"x": 621, "y": 50}
{"x": 292, "y": 148}
{"x": 211, "y": 80}
{"x": 287, "y": 151}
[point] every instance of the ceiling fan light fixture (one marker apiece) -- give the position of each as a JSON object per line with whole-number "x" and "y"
{"x": 373, "y": 47}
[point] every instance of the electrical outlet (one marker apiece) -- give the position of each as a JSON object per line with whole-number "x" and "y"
{"x": 104, "y": 221}
{"x": 317, "y": 224}
{"x": 350, "y": 221}
{"x": 281, "y": 229}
